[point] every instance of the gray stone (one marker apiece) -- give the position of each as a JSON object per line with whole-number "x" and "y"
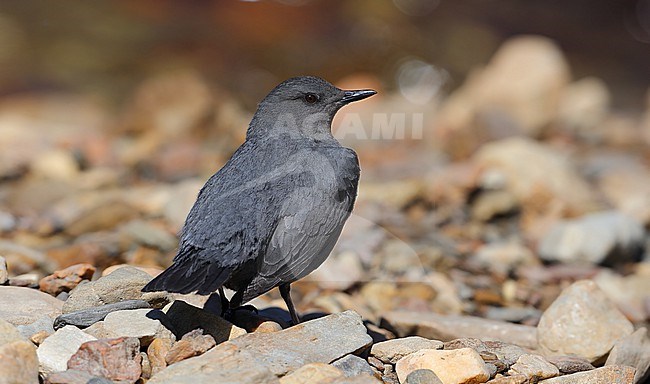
{"x": 312, "y": 373}
{"x": 87, "y": 317}
{"x": 422, "y": 376}
{"x": 43, "y": 324}
{"x": 598, "y": 238}
{"x": 390, "y": 351}
{"x": 581, "y": 321}
{"x": 150, "y": 235}
{"x": 56, "y": 350}
{"x": 611, "y": 374}
{"x": 570, "y": 364}
{"x": 535, "y": 367}
{"x": 144, "y": 324}
{"x": 123, "y": 284}
{"x": 73, "y": 376}
{"x": 185, "y": 317}
{"x": 260, "y": 357}
{"x": 18, "y": 363}
{"x": 633, "y": 351}
{"x": 450, "y": 327}
{"x": 23, "y": 306}
{"x": 352, "y": 365}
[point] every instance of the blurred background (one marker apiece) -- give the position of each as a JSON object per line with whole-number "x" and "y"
{"x": 524, "y": 163}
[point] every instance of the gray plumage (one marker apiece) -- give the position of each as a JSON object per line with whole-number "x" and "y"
{"x": 273, "y": 213}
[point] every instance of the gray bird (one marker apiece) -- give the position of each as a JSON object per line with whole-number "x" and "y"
{"x": 273, "y": 213}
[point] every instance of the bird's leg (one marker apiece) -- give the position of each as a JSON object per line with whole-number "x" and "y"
{"x": 225, "y": 305}
{"x": 286, "y": 295}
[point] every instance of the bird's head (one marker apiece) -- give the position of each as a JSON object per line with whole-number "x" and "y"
{"x": 302, "y": 106}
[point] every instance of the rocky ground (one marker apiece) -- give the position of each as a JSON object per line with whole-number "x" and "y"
{"x": 507, "y": 244}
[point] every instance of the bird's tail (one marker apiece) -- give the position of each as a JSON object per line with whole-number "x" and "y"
{"x": 187, "y": 276}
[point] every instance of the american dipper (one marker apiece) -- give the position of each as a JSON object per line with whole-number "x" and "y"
{"x": 273, "y": 213}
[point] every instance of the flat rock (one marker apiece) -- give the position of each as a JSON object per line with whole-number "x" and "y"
{"x": 193, "y": 343}
{"x": 24, "y": 306}
{"x": 185, "y": 318}
{"x": 456, "y": 366}
{"x": 55, "y": 351}
{"x": 87, "y": 317}
{"x": 144, "y": 324}
{"x": 124, "y": 284}
{"x": 599, "y": 238}
{"x": 450, "y": 327}
{"x": 633, "y": 351}
{"x": 312, "y": 373}
{"x": 422, "y": 376}
{"x": 65, "y": 280}
{"x": 515, "y": 379}
{"x": 352, "y": 365}
{"x": 535, "y": 368}
{"x": 18, "y": 363}
{"x": 390, "y": 351}
{"x": 612, "y": 374}
{"x": 115, "y": 359}
{"x": 73, "y": 376}
{"x": 260, "y": 357}
{"x": 582, "y": 321}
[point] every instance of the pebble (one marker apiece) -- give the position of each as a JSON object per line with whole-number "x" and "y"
{"x": 633, "y": 351}
{"x": 501, "y": 258}
{"x": 73, "y": 376}
{"x": 18, "y": 362}
{"x": 312, "y": 373}
{"x": 502, "y": 355}
{"x": 9, "y": 333}
{"x": 123, "y": 284}
{"x": 516, "y": 379}
{"x": 390, "y": 351}
{"x": 4, "y": 275}
{"x": 147, "y": 234}
{"x": 156, "y": 352}
{"x": 450, "y": 327}
{"x": 268, "y": 327}
{"x": 582, "y": 321}
{"x": 185, "y": 318}
{"x": 352, "y": 365}
{"x": 535, "y": 368}
{"x": 612, "y": 374}
{"x": 193, "y": 343}
{"x": 33, "y": 305}
{"x": 144, "y": 324}
{"x": 116, "y": 359}
{"x": 422, "y": 376}
{"x": 87, "y": 317}
{"x": 456, "y": 366}
{"x": 570, "y": 364}
{"x": 65, "y": 280}
{"x": 55, "y": 351}
{"x": 608, "y": 238}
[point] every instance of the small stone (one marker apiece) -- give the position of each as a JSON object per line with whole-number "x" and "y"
{"x": 570, "y": 364}
{"x": 611, "y": 374}
{"x": 18, "y": 362}
{"x": 73, "y": 376}
{"x": 633, "y": 351}
{"x": 268, "y": 327}
{"x": 55, "y": 351}
{"x": 146, "y": 365}
{"x": 193, "y": 343}
{"x": 116, "y": 359}
{"x": 502, "y": 258}
{"x": 515, "y": 379}
{"x": 144, "y": 324}
{"x": 9, "y": 333}
{"x": 390, "y": 351}
{"x": 599, "y": 238}
{"x": 43, "y": 324}
{"x": 55, "y": 164}
{"x": 422, "y": 376}
{"x": 450, "y": 327}
{"x": 86, "y": 317}
{"x": 582, "y": 321}
{"x": 352, "y": 365}
{"x": 66, "y": 279}
{"x": 4, "y": 275}
{"x": 29, "y": 280}
{"x": 39, "y": 337}
{"x": 157, "y": 351}
{"x": 124, "y": 284}
{"x": 534, "y": 367}
{"x": 312, "y": 373}
{"x": 150, "y": 235}
{"x": 185, "y": 318}
{"x": 456, "y": 366}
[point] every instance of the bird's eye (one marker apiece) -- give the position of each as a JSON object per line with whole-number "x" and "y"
{"x": 311, "y": 98}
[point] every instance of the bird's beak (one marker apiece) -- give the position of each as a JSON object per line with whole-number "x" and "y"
{"x": 350, "y": 96}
